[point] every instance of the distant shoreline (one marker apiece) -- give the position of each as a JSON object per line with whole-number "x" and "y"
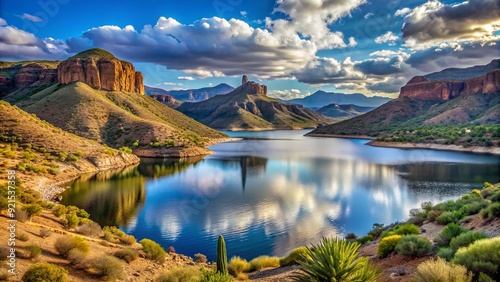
{"x": 439, "y": 147}
{"x": 409, "y": 145}
{"x": 340, "y": 136}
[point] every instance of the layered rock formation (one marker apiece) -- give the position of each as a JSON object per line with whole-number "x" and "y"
{"x": 422, "y": 88}
{"x": 27, "y": 75}
{"x": 108, "y": 74}
{"x": 251, "y": 87}
{"x": 167, "y": 100}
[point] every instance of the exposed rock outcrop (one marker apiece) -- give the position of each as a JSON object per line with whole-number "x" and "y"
{"x": 167, "y": 100}
{"x": 422, "y": 88}
{"x": 27, "y": 75}
{"x": 101, "y": 73}
{"x": 244, "y": 79}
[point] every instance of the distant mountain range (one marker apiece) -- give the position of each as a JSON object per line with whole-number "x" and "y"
{"x": 321, "y": 98}
{"x": 342, "y": 111}
{"x": 422, "y": 101}
{"x": 192, "y": 95}
{"x": 248, "y": 107}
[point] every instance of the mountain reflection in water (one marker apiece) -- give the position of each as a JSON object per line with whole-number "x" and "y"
{"x": 268, "y": 197}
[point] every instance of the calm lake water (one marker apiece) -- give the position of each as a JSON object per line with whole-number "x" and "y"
{"x": 276, "y": 191}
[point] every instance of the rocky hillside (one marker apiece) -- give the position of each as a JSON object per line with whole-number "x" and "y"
{"x": 427, "y": 102}
{"x": 33, "y": 146}
{"x": 249, "y": 107}
{"x": 26, "y": 74}
{"x": 422, "y": 88}
{"x": 102, "y": 71}
{"x": 121, "y": 117}
{"x": 192, "y": 95}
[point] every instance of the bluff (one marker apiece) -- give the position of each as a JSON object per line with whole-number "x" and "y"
{"x": 101, "y": 70}
{"x": 25, "y": 74}
{"x": 423, "y": 88}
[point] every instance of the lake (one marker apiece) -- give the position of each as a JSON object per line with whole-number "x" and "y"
{"x": 274, "y": 191}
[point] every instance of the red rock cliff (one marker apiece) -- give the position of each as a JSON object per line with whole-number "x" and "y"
{"x": 101, "y": 73}
{"x": 251, "y": 87}
{"x": 421, "y": 88}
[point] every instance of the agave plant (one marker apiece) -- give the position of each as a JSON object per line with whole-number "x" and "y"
{"x": 335, "y": 260}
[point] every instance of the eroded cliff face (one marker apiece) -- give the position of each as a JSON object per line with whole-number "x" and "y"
{"x": 251, "y": 87}
{"x": 102, "y": 74}
{"x": 27, "y": 75}
{"x": 422, "y": 88}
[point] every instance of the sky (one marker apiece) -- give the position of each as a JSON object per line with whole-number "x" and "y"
{"x": 295, "y": 47}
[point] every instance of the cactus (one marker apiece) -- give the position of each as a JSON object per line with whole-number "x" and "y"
{"x": 221, "y": 256}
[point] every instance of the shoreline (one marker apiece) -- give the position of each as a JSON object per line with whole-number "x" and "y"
{"x": 437, "y": 147}
{"x": 340, "y": 136}
{"x": 408, "y": 145}
{"x": 50, "y": 190}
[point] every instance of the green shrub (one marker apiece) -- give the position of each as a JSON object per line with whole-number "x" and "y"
{"x": 432, "y": 215}
{"x": 107, "y": 267}
{"x": 493, "y": 210}
{"x": 449, "y": 232}
{"x": 413, "y": 246}
{"x": 125, "y": 149}
{"x": 213, "y": 276}
{"x": 294, "y": 256}
{"x": 92, "y": 229}
{"x": 79, "y": 153}
{"x": 365, "y": 239}
{"x": 65, "y": 244}
{"x": 127, "y": 240}
{"x": 59, "y": 210}
{"x": 200, "y": 258}
{"x": 474, "y": 208}
{"x": 45, "y": 272}
{"x": 465, "y": 239}
{"x": 72, "y": 220}
{"x": 447, "y": 217}
{"x": 33, "y": 250}
{"x": 336, "y": 260}
{"x": 441, "y": 271}
{"x": 33, "y": 210}
{"x": 377, "y": 229}
{"x": 238, "y": 265}
{"x": 387, "y": 245}
{"x": 44, "y": 232}
{"x": 153, "y": 250}
{"x": 82, "y": 213}
{"x": 405, "y": 229}
{"x": 23, "y": 237}
{"x": 127, "y": 254}
{"x": 481, "y": 256}
{"x": 71, "y": 158}
{"x": 76, "y": 256}
{"x": 351, "y": 236}
{"x": 446, "y": 253}
{"x": 182, "y": 274}
{"x": 261, "y": 262}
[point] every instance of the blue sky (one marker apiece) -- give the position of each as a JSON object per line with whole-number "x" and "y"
{"x": 294, "y": 46}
